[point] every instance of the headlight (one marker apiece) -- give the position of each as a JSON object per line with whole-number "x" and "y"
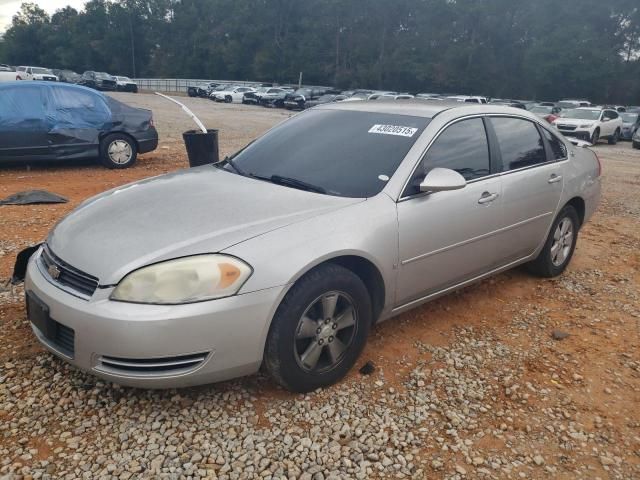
{"x": 585, "y": 126}
{"x": 184, "y": 280}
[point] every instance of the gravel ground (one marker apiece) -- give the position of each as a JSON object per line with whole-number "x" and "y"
{"x": 515, "y": 377}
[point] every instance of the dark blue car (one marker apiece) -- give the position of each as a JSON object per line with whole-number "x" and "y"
{"x": 55, "y": 121}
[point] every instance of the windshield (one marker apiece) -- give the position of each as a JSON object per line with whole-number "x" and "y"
{"x": 40, "y": 70}
{"x": 350, "y": 154}
{"x": 582, "y": 114}
{"x": 567, "y": 104}
{"x": 541, "y": 109}
{"x": 629, "y": 117}
{"x": 103, "y": 76}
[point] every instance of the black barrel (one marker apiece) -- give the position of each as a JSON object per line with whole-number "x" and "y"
{"x": 202, "y": 148}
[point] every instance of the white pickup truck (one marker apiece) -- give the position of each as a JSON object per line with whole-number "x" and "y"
{"x": 35, "y": 73}
{"x": 7, "y": 73}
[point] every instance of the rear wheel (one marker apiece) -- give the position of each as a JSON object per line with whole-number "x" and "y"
{"x": 613, "y": 139}
{"x": 118, "y": 151}
{"x": 595, "y": 137}
{"x": 560, "y": 245}
{"x": 319, "y": 329}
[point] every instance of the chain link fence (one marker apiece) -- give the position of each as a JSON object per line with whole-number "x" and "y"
{"x": 181, "y": 84}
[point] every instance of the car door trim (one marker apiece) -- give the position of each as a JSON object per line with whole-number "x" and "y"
{"x": 474, "y": 239}
{"x": 464, "y": 283}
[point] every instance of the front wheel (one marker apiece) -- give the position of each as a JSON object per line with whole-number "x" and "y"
{"x": 595, "y": 137}
{"x": 118, "y": 151}
{"x": 560, "y": 245}
{"x": 228, "y": 99}
{"x": 613, "y": 139}
{"x": 319, "y": 329}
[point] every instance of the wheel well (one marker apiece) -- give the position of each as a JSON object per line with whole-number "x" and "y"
{"x": 135, "y": 142}
{"x": 370, "y": 276}
{"x": 578, "y": 204}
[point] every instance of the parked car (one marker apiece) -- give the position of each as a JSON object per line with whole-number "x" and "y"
{"x": 297, "y": 100}
{"x": 326, "y": 98}
{"x": 630, "y": 124}
{"x": 202, "y": 90}
{"x": 334, "y": 220}
{"x": 68, "y": 76}
{"x": 376, "y": 95}
{"x": 275, "y": 99}
{"x": 7, "y": 73}
{"x": 509, "y": 103}
{"x": 35, "y": 73}
{"x": 590, "y": 124}
{"x": 231, "y": 94}
{"x": 549, "y": 113}
{"x": 636, "y": 139}
{"x": 98, "y": 81}
{"x": 467, "y": 99}
{"x": 255, "y": 97}
{"x": 569, "y": 104}
{"x": 57, "y": 121}
{"x": 125, "y": 84}
{"x": 400, "y": 96}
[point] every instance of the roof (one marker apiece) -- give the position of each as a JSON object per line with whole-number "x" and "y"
{"x": 417, "y": 107}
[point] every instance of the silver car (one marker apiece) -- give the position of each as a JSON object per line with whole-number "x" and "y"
{"x": 286, "y": 254}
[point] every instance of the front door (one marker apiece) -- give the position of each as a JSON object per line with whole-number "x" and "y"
{"x": 446, "y": 238}
{"x": 23, "y": 123}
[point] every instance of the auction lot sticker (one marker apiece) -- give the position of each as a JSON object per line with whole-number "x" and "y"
{"x": 393, "y": 130}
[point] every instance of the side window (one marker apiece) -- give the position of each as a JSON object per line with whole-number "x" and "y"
{"x": 520, "y": 143}
{"x": 22, "y": 107}
{"x": 462, "y": 147}
{"x": 558, "y": 148}
{"x": 75, "y": 108}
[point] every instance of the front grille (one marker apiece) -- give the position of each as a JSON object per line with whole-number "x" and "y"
{"x": 567, "y": 127}
{"x": 64, "y": 339}
{"x": 151, "y": 366}
{"x": 66, "y": 275}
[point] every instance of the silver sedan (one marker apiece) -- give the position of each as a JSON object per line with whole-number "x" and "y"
{"x": 286, "y": 254}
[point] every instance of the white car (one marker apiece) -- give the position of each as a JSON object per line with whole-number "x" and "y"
{"x": 125, "y": 84}
{"x": 590, "y": 124}
{"x": 233, "y": 94}
{"x": 35, "y": 73}
{"x": 467, "y": 99}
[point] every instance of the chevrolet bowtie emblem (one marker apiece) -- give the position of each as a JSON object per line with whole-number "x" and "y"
{"x": 53, "y": 271}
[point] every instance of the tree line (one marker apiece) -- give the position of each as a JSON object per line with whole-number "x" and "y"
{"x": 542, "y": 49}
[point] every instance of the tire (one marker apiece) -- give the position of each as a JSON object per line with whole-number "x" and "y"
{"x": 548, "y": 266}
{"x": 613, "y": 139}
{"x": 228, "y": 99}
{"x": 635, "y": 145}
{"x": 123, "y": 152}
{"x": 303, "y": 354}
{"x": 596, "y": 136}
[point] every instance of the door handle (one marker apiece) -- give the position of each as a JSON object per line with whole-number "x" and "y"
{"x": 487, "y": 197}
{"x": 554, "y": 178}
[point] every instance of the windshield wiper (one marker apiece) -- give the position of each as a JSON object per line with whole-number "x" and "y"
{"x": 232, "y": 164}
{"x": 291, "y": 182}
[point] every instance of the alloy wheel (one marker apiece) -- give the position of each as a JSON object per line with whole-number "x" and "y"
{"x": 325, "y": 332}
{"x": 562, "y": 242}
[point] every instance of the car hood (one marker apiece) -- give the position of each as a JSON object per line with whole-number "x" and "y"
{"x": 200, "y": 210}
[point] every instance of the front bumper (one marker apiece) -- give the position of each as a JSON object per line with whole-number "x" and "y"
{"x": 228, "y": 333}
{"x": 581, "y": 134}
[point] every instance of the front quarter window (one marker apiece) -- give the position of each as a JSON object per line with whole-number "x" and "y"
{"x": 345, "y": 153}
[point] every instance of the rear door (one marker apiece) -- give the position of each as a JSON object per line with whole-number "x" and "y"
{"x": 447, "y": 237}
{"x": 79, "y": 116}
{"x": 531, "y": 162}
{"x": 23, "y": 123}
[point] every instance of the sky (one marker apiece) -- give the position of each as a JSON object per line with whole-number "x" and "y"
{"x": 8, "y": 8}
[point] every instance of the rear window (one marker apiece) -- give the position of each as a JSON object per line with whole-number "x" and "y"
{"x": 350, "y": 154}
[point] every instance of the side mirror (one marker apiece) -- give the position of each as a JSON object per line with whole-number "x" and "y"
{"x": 442, "y": 179}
